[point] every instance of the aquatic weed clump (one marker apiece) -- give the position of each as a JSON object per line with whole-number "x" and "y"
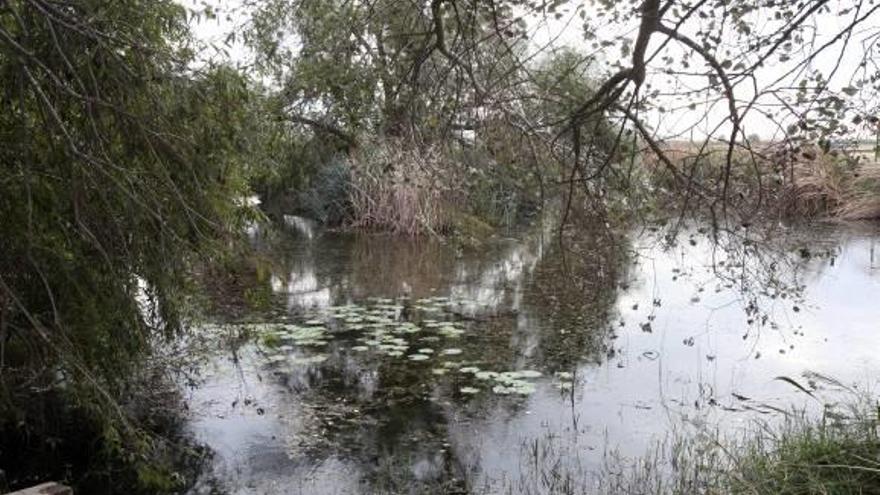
{"x": 422, "y": 335}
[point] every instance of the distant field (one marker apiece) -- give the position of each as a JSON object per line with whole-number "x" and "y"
{"x": 866, "y": 149}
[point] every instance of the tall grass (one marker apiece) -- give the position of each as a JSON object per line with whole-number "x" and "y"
{"x": 831, "y": 455}
{"x": 834, "y": 450}
{"x": 793, "y": 181}
{"x": 862, "y": 199}
{"x": 403, "y": 188}
{"x": 831, "y": 185}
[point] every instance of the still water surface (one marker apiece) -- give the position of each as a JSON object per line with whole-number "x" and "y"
{"x": 382, "y": 365}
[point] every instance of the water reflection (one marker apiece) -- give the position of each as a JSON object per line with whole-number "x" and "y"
{"x": 632, "y": 336}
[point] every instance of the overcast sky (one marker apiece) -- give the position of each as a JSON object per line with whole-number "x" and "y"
{"x": 681, "y": 120}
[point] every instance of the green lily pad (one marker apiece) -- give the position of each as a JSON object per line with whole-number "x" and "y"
{"x": 317, "y": 358}
{"x": 529, "y": 374}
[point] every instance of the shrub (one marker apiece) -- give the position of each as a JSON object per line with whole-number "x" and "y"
{"x": 328, "y": 199}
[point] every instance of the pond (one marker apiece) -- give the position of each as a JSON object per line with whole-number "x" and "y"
{"x": 384, "y": 365}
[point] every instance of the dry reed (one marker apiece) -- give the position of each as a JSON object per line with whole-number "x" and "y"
{"x": 403, "y": 188}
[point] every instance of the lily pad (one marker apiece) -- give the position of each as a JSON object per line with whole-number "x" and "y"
{"x": 485, "y": 375}
{"x": 317, "y": 358}
{"x": 529, "y": 374}
{"x": 450, "y": 331}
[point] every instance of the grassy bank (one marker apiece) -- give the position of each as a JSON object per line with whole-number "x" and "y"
{"x": 835, "y": 453}
{"x": 813, "y": 457}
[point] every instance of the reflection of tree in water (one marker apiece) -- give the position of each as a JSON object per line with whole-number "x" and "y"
{"x": 526, "y": 308}
{"x": 574, "y": 289}
{"x": 389, "y": 416}
{"x": 764, "y": 265}
{"x": 386, "y": 416}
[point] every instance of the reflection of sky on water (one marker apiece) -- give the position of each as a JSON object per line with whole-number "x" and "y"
{"x": 702, "y": 364}
{"x": 302, "y": 289}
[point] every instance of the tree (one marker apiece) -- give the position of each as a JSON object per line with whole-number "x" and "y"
{"x": 730, "y": 63}
{"x": 121, "y": 166}
{"x": 383, "y": 66}
{"x": 784, "y": 62}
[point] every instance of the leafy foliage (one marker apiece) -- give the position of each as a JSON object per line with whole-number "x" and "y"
{"x": 121, "y": 166}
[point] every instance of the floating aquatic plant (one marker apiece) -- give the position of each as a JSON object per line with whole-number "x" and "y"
{"x": 306, "y": 336}
{"x": 381, "y": 326}
{"x": 315, "y": 359}
{"x": 518, "y": 387}
{"x": 450, "y": 331}
{"x": 528, "y": 373}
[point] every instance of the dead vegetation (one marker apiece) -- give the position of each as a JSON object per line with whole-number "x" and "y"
{"x": 803, "y": 181}
{"x": 831, "y": 185}
{"x": 403, "y": 189}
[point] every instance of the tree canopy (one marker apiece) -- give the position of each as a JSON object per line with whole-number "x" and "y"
{"x": 719, "y": 71}
{"x": 121, "y": 165}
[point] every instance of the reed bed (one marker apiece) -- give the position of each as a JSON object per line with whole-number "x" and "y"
{"x": 402, "y": 188}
